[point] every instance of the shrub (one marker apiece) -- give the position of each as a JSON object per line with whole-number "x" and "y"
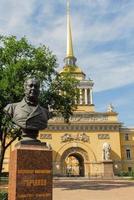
{"x": 122, "y": 173}
{"x": 3, "y": 196}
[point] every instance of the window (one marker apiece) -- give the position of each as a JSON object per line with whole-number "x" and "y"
{"x": 126, "y": 136}
{"x": 129, "y": 169}
{"x": 128, "y": 154}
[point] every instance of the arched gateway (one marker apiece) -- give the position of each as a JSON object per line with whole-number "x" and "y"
{"x": 73, "y": 162}
{"x": 74, "y": 165}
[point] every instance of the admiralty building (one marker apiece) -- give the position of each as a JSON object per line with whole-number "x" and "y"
{"x": 92, "y": 144}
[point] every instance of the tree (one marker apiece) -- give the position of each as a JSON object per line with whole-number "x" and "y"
{"x": 19, "y": 59}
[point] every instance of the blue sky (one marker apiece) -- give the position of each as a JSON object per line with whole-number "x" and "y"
{"x": 103, "y": 38}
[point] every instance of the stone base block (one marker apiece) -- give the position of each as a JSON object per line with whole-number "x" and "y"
{"x": 107, "y": 169}
{"x": 30, "y": 173}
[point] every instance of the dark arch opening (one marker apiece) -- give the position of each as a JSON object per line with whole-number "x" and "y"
{"x": 74, "y": 165}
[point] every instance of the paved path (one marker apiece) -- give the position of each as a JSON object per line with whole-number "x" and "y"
{"x": 93, "y": 190}
{"x": 90, "y": 190}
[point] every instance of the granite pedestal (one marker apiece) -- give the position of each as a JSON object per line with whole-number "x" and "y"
{"x": 30, "y": 173}
{"x": 107, "y": 169}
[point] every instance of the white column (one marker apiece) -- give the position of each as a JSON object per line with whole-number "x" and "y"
{"x": 91, "y": 96}
{"x": 86, "y": 97}
{"x": 80, "y": 96}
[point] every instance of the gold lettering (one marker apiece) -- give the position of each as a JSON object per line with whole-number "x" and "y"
{"x": 35, "y": 182}
{"x": 25, "y": 171}
{"x": 23, "y": 196}
{"x": 44, "y": 171}
{"x": 43, "y": 195}
{"x": 40, "y": 195}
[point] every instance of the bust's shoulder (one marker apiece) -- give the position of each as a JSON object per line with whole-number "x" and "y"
{"x": 11, "y": 107}
{"x": 43, "y": 109}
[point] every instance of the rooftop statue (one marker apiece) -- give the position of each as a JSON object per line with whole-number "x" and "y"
{"x": 110, "y": 108}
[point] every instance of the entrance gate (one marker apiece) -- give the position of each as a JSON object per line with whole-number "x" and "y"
{"x": 74, "y": 165}
{"x": 73, "y": 162}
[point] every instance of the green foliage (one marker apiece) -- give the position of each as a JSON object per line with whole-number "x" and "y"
{"x": 7, "y": 126}
{"x": 61, "y": 95}
{"x": 19, "y": 59}
{"x": 3, "y": 196}
{"x": 125, "y": 174}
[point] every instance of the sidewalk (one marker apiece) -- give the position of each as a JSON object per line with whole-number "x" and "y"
{"x": 90, "y": 190}
{"x": 93, "y": 190}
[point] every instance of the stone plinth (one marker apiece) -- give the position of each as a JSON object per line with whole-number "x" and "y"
{"x": 107, "y": 169}
{"x": 30, "y": 173}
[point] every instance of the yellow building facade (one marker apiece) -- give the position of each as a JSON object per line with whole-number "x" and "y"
{"x": 78, "y": 146}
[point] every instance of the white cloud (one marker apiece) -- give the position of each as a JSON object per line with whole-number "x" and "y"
{"x": 14, "y": 15}
{"x": 110, "y": 70}
{"x": 41, "y": 22}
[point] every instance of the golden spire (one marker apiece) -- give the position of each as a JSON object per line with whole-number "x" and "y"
{"x": 69, "y": 33}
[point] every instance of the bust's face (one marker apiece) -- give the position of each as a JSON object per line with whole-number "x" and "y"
{"x": 32, "y": 89}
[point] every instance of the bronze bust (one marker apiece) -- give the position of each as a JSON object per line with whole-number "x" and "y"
{"x": 28, "y": 114}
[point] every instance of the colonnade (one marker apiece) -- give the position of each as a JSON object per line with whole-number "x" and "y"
{"x": 85, "y": 96}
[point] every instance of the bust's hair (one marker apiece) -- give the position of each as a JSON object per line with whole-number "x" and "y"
{"x": 31, "y": 78}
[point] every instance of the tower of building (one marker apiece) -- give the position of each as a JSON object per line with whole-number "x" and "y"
{"x": 85, "y": 86}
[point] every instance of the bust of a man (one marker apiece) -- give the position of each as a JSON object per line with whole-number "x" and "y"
{"x": 28, "y": 114}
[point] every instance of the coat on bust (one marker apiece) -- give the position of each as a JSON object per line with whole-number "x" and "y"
{"x": 26, "y": 116}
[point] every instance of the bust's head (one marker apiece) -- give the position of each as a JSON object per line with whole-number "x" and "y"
{"x": 32, "y": 90}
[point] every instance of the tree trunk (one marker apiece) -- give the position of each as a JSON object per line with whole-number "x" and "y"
{"x": 2, "y": 153}
{"x": 3, "y": 148}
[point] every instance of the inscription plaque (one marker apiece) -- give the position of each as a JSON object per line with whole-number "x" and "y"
{"x": 103, "y": 136}
{"x": 45, "y": 136}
